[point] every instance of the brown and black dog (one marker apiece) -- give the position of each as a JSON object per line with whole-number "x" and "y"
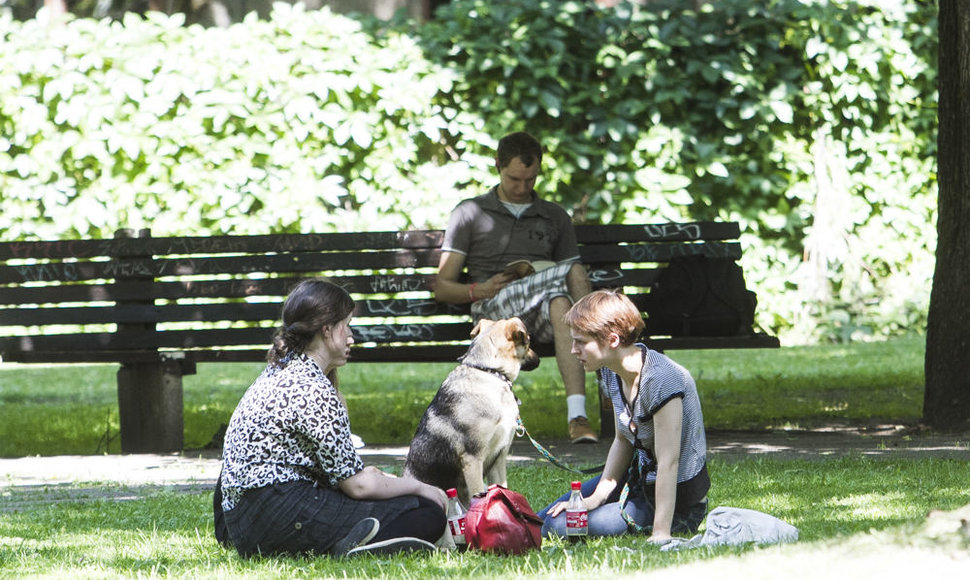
{"x": 464, "y": 437}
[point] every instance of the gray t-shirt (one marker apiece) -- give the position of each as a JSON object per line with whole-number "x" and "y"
{"x": 490, "y": 236}
{"x": 661, "y": 380}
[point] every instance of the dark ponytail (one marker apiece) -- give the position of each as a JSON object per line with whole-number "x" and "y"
{"x": 310, "y": 306}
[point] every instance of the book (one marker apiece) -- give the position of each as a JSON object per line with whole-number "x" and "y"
{"x": 522, "y": 268}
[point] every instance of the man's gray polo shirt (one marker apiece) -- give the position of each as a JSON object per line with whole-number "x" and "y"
{"x": 490, "y": 236}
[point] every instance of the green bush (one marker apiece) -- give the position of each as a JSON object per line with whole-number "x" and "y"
{"x": 811, "y": 123}
{"x": 301, "y": 123}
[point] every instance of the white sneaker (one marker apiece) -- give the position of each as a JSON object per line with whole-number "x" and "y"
{"x": 362, "y": 532}
{"x": 393, "y": 546}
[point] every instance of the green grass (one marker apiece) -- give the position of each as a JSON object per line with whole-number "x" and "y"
{"x": 808, "y": 386}
{"x": 169, "y": 534}
{"x": 72, "y": 409}
{"x": 840, "y": 505}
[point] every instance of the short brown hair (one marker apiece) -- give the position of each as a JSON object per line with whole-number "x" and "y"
{"x": 604, "y": 312}
{"x": 521, "y": 145}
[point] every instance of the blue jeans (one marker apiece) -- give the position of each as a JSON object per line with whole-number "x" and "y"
{"x": 608, "y": 520}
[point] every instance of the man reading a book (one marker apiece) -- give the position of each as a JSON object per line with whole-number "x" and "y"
{"x": 522, "y": 260}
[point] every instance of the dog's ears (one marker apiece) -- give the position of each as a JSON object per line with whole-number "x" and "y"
{"x": 514, "y": 332}
{"x": 517, "y": 334}
{"x": 480, "y": 326}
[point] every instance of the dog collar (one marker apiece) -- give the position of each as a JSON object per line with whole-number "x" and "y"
{"x": 495, "y": 372}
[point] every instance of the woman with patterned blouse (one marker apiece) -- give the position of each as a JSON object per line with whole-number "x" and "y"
{"x": 292, "y": 481}
{"x": 658, "y": 456}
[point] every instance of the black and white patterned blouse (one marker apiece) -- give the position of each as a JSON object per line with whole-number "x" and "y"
{"x": 290, "y": 425}
{"x": 661, "y": 380}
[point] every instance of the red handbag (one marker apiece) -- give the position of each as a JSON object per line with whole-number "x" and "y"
{"x": 502, "y": 521}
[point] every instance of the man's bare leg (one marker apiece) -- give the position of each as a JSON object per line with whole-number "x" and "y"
{"x": 577, "y": 282}
{"x": 572, "y": 373}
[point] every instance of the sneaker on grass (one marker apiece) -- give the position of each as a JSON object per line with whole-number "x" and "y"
{"x": 393, "y": 546}
{"x": 362, "y": 532}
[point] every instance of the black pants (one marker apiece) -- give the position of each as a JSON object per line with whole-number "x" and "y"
{"x": 299, "y": 517}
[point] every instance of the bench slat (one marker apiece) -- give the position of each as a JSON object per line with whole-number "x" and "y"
{"x": 380, "y": 334}
{"x": 226, "y": 337}
{"x": 669, "y": 232}
{"x": 636, "y": 253}
{"x": 210, "y": 288}
{"x": 600, "y": 276}
{"x": 307, "y": 263}
{"x": 214, "y": 245}
{"x": 390, "y": 354}
{"x": 211, "y": 312}
{"x": 286, "y": 243}
{"x": 209, "y": 265}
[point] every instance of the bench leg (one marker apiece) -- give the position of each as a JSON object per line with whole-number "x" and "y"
{"x": 150, "y": 407}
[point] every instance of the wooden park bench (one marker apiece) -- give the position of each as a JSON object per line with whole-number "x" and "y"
{"x": 157, "y": 306}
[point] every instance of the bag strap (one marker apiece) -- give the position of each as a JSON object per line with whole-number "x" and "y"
{"x": 518, "y": 505}
{"x": 518, "y": 508}
{"x": 632, "y": 525}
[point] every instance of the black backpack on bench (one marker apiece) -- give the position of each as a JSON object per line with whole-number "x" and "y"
{"x": 701, "y": 296}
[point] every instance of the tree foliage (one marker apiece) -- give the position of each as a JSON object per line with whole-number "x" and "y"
{"x": 812, "y": 123}
{"x": 300, "y": 123}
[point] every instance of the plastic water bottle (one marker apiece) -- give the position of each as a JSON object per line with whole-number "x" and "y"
{"x": 577, "y": 518}
{"x": 456, "y": 518}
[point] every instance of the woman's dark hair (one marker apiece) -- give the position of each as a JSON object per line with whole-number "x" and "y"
{"x": 310, "y": 306}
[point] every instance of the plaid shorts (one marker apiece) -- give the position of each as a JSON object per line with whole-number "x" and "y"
{"x": 528, "y": 298}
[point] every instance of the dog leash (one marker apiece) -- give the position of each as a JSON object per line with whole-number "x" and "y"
{"x": 624, "y": 493}
{"x": 521, "y": 430}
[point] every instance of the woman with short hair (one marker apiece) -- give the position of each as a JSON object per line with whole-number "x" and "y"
{"x": 660, "y": 448}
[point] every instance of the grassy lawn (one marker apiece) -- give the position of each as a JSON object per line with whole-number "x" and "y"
{"x": 850, "y": 507}
{"x": 73, "y": 409}
{"x": 169, "y": 534}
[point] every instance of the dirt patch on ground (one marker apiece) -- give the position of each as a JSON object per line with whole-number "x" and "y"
{"x": 32, "y": 480}
{"x": 942, "y": 545}
{"x": 833, "y": 440}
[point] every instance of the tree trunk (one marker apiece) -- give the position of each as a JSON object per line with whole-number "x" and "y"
{"x": 946, "y": 404}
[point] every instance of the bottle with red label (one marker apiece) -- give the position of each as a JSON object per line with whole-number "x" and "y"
{"x": 577, "y": 518}
{"x": 456, "y": 518}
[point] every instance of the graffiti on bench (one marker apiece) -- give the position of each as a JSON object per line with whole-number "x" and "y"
{"x": 392, "y": 333}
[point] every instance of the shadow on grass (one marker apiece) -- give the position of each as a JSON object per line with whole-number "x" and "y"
{"x": 168, "y": 531}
